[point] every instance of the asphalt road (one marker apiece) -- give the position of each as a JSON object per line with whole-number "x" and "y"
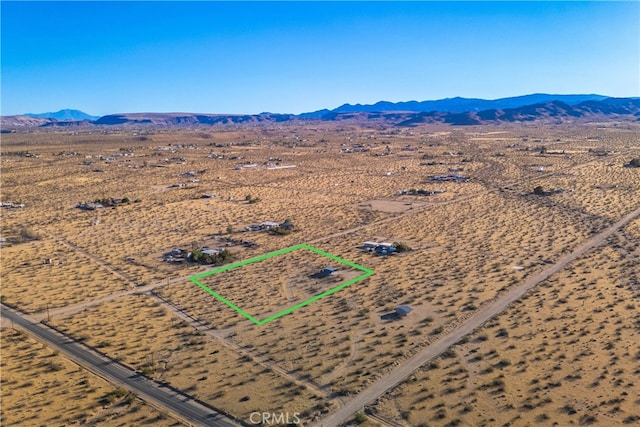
{"x": 396, "y": 376}
{"x": 180, "y": 405}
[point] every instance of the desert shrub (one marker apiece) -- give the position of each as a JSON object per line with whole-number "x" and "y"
{"x": 502, "y": 333}
{"x": 587, "y": 420}
{"x": 280, "y": 231}
{"x": 215, "y": 259}
{"x": 463, "y": 340}
{"x": 631, "y": 419}
{"x": 360, "y": 418}
{"x": 401, "y": 247}
{"x": 449, "y": 354}
{"x": 503, "y": 363}
{"x": 54, "y": 367}
{"x": 130, "y": 399}
{"x": 634, "y": 163}
{"x": 437, "y": 330}
{"x": 27, "y": 234}
{"x": 114, "y": 395}
{"x": 541, "y": 417}
{"x": 539, "y": 191}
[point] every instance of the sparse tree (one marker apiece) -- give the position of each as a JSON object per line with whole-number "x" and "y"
{"x": 360, "y": 418}
{"x": 401, "y": 247}
{"x": 27, "y": 234}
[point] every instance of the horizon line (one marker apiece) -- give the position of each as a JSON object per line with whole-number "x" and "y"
{"x": 53, "y": 111}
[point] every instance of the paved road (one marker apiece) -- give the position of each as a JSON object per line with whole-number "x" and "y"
{"x": 500, "y": 304}
{"x": 180, "y": 405}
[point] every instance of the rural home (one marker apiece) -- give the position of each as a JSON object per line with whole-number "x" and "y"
{"x": 385, "y": 249}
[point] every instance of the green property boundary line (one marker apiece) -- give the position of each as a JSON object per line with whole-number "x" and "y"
{"x": 366, "y": 273}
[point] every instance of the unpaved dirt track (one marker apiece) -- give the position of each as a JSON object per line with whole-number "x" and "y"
{"x": 265, "y": 363}
{"x": 496, "y": 307}
{"x": 75, "y": 308}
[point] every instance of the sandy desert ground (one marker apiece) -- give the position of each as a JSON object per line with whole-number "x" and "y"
{"x": 37, "y": 383}
{"x": 470, "y": 244}
{"x": 565, "y": 355}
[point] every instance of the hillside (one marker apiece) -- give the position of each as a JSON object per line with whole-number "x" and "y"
{"x": 555, "y": 111}
{"x": 188, "y": 119}
{"x": 462, "y": 105}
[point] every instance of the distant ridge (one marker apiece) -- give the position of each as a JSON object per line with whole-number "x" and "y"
{"x": 463, "y": 105}
{"x": 549, "y": 110}
{"x": 187, "y": 119}
{"x": 554, "y": 111}
{"x": 66, "y": 115}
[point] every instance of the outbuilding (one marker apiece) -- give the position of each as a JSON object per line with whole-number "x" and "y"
{"x": 327, "y": 271}
{"x": 403, "y": 310}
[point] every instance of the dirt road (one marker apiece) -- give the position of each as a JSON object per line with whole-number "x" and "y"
{"x": 396, "y": 376}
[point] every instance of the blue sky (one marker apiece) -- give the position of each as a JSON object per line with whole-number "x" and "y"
{"x": 292, "y": 57}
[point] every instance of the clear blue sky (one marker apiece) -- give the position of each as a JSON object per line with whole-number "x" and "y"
{"x": 292, "y": 57}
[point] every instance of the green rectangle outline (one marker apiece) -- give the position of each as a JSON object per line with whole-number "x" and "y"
{"x": 194, "y": 279}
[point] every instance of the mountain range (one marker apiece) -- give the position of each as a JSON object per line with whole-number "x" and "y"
{"x": 458, "y": 105}
{"x": 453, "y": 111}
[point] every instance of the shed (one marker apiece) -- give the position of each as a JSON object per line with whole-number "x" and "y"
{"x": 403, "y": 310}
{"x": 327, "y": 271}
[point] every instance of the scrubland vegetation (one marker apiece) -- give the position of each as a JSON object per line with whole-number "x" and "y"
{"x": 565, "y": 353}
{"x": 40, "y": 387}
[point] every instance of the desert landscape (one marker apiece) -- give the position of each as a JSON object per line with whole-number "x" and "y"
{"x": 100, "y": 239}
{"x": 40, "y": 387}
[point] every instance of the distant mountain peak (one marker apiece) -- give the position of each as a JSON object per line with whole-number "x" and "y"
{"x": 64, "y": 114}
